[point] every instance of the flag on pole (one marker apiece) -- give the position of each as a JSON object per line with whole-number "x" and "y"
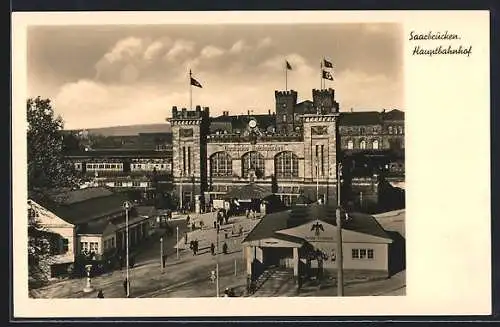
{"x": 327, "y": 75}
{"x": 327, "y": 64}
{"x": 288, "y": 66}
{"x": 195, "y": 83}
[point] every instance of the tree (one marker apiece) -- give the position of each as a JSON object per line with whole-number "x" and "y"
{"x": 48, "y": 168}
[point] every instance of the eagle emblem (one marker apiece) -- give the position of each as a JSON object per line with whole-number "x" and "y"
{"x": 317, "y": 227}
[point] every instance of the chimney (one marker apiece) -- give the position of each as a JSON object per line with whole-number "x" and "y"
{"x": 269, "y": 112}
{"x": 198, "y": 108}
{"x": 248, "y": 113}
{"x": 352, "y": 109}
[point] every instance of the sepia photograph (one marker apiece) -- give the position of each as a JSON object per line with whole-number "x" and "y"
{"x": 216, "y": 161}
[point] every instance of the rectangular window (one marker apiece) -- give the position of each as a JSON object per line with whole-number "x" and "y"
{"x": 118, "y": 184}
{"x": 84, "y": 246}
{"x": 362, "y": 253}
{"x": 355, "y": 253}
{"x": 322, "y": 160}
{"x": 113, "y": 242}
{"x": 183, "y": 159}
{"x": 65, "y": 245}
{"x": 94, "y": 247}
{"x": 189, "y": 160}
{"x": 370, "y": 253}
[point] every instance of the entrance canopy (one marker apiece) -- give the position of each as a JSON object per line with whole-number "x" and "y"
{"x": 249, "y": 192}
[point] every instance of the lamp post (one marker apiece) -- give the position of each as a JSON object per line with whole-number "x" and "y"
{"x": 340, "y": 257}
{"x": 127, "y": 205}
{"x": 161, "y": 254}
{"x": 180, "y": 191}
{"x": 317, "y": 179}
{"x": 217, "y": 265}
{"x": 88, "y": 287}
{"x": 177, "y": 238}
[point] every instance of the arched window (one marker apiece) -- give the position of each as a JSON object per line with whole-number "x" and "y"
{"x": 350, "y": 145}
{"x": 400, "y": 129}
{"x": 390, "y": 129}
{"x": 221, "y": 164}
{"x": 375, "y": 145}
{"x": 286, "y": 165}
{"x": 362, "y": 144}
{"x": 252, "y": 160}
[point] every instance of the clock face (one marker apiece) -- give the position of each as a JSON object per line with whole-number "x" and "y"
{"x": 252, "y": 123}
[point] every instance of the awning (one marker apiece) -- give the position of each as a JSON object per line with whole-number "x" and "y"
{"x": 249, "y": 192}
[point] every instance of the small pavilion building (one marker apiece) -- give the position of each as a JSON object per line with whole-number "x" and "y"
{"x": 303, "y": 241}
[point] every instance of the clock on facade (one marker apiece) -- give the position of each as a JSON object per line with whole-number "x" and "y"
{"x": 252, "y": 123}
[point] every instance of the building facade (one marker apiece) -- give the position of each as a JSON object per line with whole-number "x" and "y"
{"x": 88, "y": 222}
{"x": 294, "y": 150}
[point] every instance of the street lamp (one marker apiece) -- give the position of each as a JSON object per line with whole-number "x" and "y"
{"x": 340, "y": 272}
{"x": 177, "y": 237}
{"x": 88, "y": 287}
{"x": 180, "y": 191}
{"x": 127, "y": 206}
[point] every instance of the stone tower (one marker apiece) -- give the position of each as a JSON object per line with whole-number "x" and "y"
{"x": 324, "y": 101}
{"x": 320, "y": 146}
{"x": 285, "y": 107}
{"x": 189, "y": 133}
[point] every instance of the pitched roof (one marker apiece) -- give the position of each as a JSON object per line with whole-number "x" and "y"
{"x": 394, "y": 114}
{"x": 360, "y": 118}
{"x": 249, "y": 192}
{"x": 82, "y": 206}
{"x": 270, "y": 224}
{"x": 95, "y": 228}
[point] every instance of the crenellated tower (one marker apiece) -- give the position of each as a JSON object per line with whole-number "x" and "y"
{"x": 324, "y": 101}
{"x": 320, "y": 144}
{"x": 285, "y": 107}
{"x": 189, "y": 147}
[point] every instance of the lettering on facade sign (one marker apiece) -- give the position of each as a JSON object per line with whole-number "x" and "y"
{"x": 257, "y": 147}
{"x": 318, "y": 239}
{"x": 319, "y": 130}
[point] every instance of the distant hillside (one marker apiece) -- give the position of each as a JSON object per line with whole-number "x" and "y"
{"x": 130, "y": 129}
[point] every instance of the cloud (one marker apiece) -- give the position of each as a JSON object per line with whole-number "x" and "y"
{"x": 124, "y": 49}
{"x": 211, "y": 51}
{"x": 180, "y": 47}
{"x": 238, "y": 47}
{"x": 265, "y": 42}
{"x": 153, "y": 50}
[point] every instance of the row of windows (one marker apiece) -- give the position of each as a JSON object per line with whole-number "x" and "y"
{"x": 362, "y": 253}
{"x": 362, "y": 144}
{"x": 147, "y": 166}
{"x": 109, "y": 244}
{"x": 395, "y": 130}
{"x": 103, "y": 166}
{"x": 89, "y": 247}
{"x": 121, "y": 184}
{"x": 286, "y": 164}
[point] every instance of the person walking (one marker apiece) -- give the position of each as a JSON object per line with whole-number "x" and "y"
{"x": 187, "y": 220}
{"x": 186, "y": 238}
{"x": 100, "y": 294}
{"x": 224, "y": 248}
{"x": 212, "y": 249}
{"x": 125, "y": 284}
{"x": 164, "y": 260}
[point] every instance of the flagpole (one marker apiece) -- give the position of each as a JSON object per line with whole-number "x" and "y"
{"x": 321, "y": 75}
{"x": 190, "y": 91}
{"x": 286, "y": 76}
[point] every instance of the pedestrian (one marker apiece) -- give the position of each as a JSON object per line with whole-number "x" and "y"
{"x": 224, "y": 248}
{"x": 125, "y": 286}
{"x": 191, "y": 244}
{"x": 186, "y": 238}
{"x": 247, "y": 213}
{"x": 187, "y": 220}
{"x": 212, "y": 249}
{"x": 218, "y": 228}
{"x": 196, "y": 244}
{"x": 215, "y": 224}
{"x": 193, "y": 226}
{"x": 100, "y": 294}
{"x": 164, "y": 260}
{"x": 240, "y": 231}
{"x": 201, "y": 224}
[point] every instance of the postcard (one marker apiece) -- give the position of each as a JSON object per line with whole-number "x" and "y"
{"x": 175, "y": 164}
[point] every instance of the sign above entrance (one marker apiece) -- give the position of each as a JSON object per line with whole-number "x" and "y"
{"x": 257, "y": 147}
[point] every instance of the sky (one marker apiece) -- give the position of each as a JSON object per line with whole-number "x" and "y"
{"x": 98, "y": 76}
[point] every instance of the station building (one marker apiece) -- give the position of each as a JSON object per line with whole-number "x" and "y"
{"x": 291, "y": 151}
